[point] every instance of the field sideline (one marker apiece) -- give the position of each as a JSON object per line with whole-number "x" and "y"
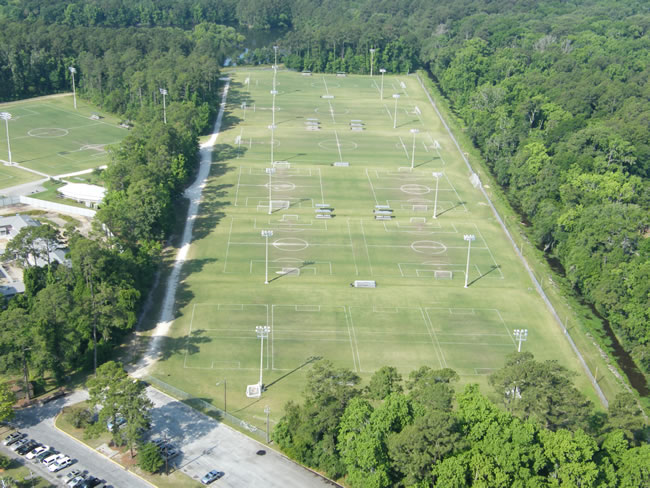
{"x": 395, "y": 160}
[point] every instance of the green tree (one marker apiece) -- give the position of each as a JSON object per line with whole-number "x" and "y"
{"x": 150, "y": 458}
{"x": 7, "y": 400}
{"x": 384, "y": 381}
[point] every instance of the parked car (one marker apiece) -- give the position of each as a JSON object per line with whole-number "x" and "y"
{"x": 53, "y": 458}
{"x": 119, "y": 420}
{"x": 27, "y": 447}
{"x": 18, "y": 444}
{"x": 211, "y": 476}
{"x": 76, "y": 481}
{"x": 63, "y": 462}
{"x": 39, "y": 449}
{"x": 45, "y": 454}
{"x": 13, "y": 437}
{"x": 90, "y": 482}
{"x": 73, "y": 474}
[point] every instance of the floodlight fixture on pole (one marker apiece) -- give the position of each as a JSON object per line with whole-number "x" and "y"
{"x": 266, "y": 234}
{"x": 469, "y": 238}
{"x": 372, "y": 58}
{"x": 163, "y": 92}
{"x": 381, "y": 91}
{"x": 520, "y": 335}
{"x": 262, "y": 332}
{"x": 437, "y": 176}
{"x": 396, "y": 97}
{"x": 73, "y": 70}
{"x": 6, "y": 116}
{"x": 413, "y": 131}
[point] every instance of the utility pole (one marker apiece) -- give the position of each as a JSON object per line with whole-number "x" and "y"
{"x": 469, "y": 238}
{"x": 73, "y": 70}
{"x": 267, "y": 411}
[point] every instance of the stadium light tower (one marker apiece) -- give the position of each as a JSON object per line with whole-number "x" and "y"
{"x": 275, "y": 65}
{"x": 163, "y": 92}
{"x": 396, "y": 97}
{"x": 381, "y": 92}
{"x": 270, "y": 172}
{"x": 413, "y": 131}
{"x": 372, "y": 59}
{"x": 266, "y": 234}
{"x": 274, "y": 92}
{"x": 262, "y": 332}
{"x": 435, "y": 200}
{"x": 73, "y": 70}
{"x": 6, "y": 116}
{"x": 521, "y": 335}
{"x": 469, "y": 238}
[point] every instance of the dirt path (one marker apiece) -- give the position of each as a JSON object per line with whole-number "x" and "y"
{"x": 193, "y": 193}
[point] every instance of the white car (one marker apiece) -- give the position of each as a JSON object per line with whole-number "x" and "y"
{"x": 63, "y": 462}
{"x": 36, "y": 452}
{"x": 53, "y": 458}
{"x": 76, "y": 481}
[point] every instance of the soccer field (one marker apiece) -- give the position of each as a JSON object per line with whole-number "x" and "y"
{"x": 346, "y": 186}
{"x": 50, "y": 136}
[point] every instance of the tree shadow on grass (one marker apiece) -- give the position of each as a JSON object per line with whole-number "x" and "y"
{"x": 183, "y": 293}
{"x": 189, "y": 344}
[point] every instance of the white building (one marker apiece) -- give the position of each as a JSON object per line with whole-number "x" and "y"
{"x": 90, "y": 195}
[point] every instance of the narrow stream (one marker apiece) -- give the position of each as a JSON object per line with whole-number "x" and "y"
{"x": 623, "y": 359}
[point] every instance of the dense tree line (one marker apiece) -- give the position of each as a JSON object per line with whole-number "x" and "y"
{"x": 419, "y": 432}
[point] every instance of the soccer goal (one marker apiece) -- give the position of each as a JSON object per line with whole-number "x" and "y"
{"x": 280, "y": 204}
{"x": 253, "y": 391}
{"x": 443, "y": 275}
{"x": 282, "y": 164}
{"x": 289, "y": 271}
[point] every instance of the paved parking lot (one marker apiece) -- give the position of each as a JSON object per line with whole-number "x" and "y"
{"x": 206, "y": 444}
{"x": 38, "y": 423}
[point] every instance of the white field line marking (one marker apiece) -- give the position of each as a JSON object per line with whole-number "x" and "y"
{"x": 189, "y": 334}
{"x": 225, "y": 261}
{"x": 352, "y": 344}
{"x": 356, "y": 268}
{"x": 325, "y": 83}
{"x": 238, "y": 184}
{"x": 390, "y": 115}
{"x": 372, "y": 188}
{"x": 363, "y": 232}
{"x": 77, "y": 115}
{"x": 505, "y": 326}
{"x": 425, "y": 147}
{"x": 320, "y": 179}
{"x": 331, "y": 111}
{"x": 441, "y": 358}
{"x": 338, "y": 145}
{"x": 404, "y": 147}
{"x": 457, "y": 195}
{"x": 354, "y": 336}
{"x": 490, "y": 252}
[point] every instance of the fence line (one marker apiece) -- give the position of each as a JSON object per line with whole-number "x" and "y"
{"x": 538, "y": 286}
{"x": 59, "y": 207}
{"x": 204, "y": 407}
{"x": 9, "y": 201}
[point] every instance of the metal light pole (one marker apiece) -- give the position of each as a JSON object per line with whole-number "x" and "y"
{"x": 267, "y": 234}
{"x": 435, "y": 200}
{"x": 73, "y": 70}
{"x": 469, "y": 238}
{"x": 274, "y": 92}
{"x": 6, "y": 116}
{"x": 272, "y": 127}
{"x": 381, "y": 92}
{"x": 521, "y": 335}
{"x": 372, "y": 58}
{"x": 267, "y": 411}
{"x": 163, "y": 92}
{"x": 262, "y": 332}
{"x": 396, "y": 97}
{"x": 270, "y": 172}
{"x": 275, "y": 65}
{"x": 413, "y": 131}
{"x": 225, "y": 393}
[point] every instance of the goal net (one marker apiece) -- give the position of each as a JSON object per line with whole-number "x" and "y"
{"x": 279, "y": 204}
{"x": 443, "y": 275}
{"x": 282, "y": 164}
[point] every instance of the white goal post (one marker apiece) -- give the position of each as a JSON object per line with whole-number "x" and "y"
{"x": 282, "y": 164}
{"x": 443, "y": 274}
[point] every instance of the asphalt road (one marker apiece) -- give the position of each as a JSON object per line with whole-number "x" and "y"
{"x": 38, "y": 423}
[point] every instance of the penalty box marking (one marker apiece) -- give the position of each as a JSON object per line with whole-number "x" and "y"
{"x": 465, "y": 311}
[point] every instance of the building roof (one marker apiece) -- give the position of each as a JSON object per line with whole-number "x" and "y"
{"x": 14, "y": 223}
{"x": 83, "y": 192}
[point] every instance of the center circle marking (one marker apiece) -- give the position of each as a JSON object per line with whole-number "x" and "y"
{"x": 281, "y": 186}
{"x": 415, "y": 189}
{"x": 290, "y": 244}
{"x": 48, "y": 132}
{"x": 428, "y": 247}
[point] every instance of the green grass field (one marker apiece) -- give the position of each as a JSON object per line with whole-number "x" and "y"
{"x": 419, "y": 314}
{"x": 49, "y": 136}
